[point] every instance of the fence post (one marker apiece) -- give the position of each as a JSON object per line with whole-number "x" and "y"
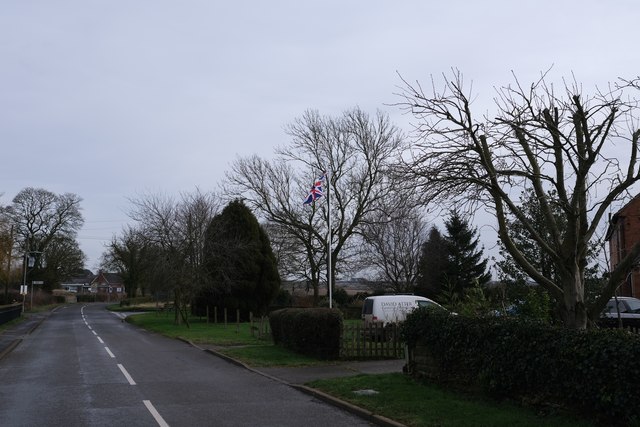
{"x": 251, "y": 323}
{"x": 264, "y": 326}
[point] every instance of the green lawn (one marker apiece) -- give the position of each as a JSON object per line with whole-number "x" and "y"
{"x": 199, "y": 331}
{"x": 269, "y": 355}
{"x": 405, "y": 400}
{"x": 400, "y": 398}
{"x": 238, "y": 341}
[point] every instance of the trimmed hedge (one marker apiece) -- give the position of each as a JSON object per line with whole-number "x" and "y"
{"x": 311, "y": 331}
{"x": 596, "y": 372}
{"x": 87, "y": 298}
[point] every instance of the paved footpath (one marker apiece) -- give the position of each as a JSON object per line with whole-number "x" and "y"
{"x": 305, "y": 374}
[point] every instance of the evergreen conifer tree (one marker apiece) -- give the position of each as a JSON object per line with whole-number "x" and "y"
{"x": 241, "y": 264}
{"x": 432, "y": 265}
{"x": 465, "y": 264}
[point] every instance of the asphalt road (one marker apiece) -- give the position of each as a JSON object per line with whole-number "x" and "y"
{"x": 84, "y": 366}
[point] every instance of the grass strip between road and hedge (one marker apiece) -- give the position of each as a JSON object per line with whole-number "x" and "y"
{"x": 236, "y": 340}
{"x": 403, "y": 399}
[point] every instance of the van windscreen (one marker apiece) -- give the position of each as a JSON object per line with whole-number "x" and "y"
{"x": 428, "y": 304}
{"x": 367, "y": 308}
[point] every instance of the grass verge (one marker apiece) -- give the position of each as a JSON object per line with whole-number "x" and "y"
{"x": 269, "y": 355}
{"x": 12, "y": 323}
{"x": 238, "y": 341}
{"x": 417, "y": 404}
{"x": 199, "y": 331}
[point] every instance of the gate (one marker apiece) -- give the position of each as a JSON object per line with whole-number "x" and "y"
{"x": 371, "y": 342}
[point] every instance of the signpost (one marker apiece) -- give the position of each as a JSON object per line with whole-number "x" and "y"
{"x": 23, "y": 292}
{"x": 34, "y": 282}
{"x": 29, "y": 262}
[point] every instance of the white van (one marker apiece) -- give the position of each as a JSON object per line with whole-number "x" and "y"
{"x": 385, "y": 309}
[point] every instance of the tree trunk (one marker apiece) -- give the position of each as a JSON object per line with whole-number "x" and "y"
{"x": 176, "y": 306}
{"x": 573, "y": 311}
{"x": 316, "y": 294}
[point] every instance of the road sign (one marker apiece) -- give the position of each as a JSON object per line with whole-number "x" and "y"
{"x": 23, "y": 289}
{"x": 37, "y": 282}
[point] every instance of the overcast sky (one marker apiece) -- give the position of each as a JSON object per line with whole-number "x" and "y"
{"x": 111, "y": 99}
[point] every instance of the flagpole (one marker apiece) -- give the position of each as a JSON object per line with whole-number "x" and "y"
{"x": 329, "y": 280}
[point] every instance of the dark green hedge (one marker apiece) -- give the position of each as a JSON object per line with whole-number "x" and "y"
{"x": 596, "y": 372}
{"x": 311, "y": 331}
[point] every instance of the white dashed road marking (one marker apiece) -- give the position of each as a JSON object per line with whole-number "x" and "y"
{"x": 161, "y": 422}
{"x": 126, "y": 374}
{"x": 156, "y": 415}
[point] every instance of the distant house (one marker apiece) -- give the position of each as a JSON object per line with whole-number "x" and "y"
{"x": 108, "y": 283}
{"x": 105, "y": 285}
{"x": 80, "y": 284}
{"x": 622, "y": 234}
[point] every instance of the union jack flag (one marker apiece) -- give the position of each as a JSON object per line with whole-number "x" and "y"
{"x": 316, "y": 191}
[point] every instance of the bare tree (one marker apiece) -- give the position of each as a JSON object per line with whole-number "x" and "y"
{"x": 354, "y": 149}
{"x": 294, "y": 259}
{"x": 176, "y": 230}
{"x": 131, "y": 257}
{"x": 64, "y": 259}
{"x": 539, "y": 141}
{"x": 6, "y": 254}
{"x": 393, "y": 248}
{"x": 45, "y": 224}
{"x": 38, "y": 215}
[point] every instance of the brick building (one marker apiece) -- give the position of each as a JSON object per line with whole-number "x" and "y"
{"x": 108, "y": 286}
{"x": 623, "y": 233}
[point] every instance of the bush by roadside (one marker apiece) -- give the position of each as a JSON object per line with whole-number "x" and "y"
{"x": 592, "y": 372}
{"x": 310, "y": 331}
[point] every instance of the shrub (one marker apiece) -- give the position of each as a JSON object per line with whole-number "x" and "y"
{"x": 283, "y": 298}
{"x": 340, "y": 296}
{"x": 310, "y": 331}
{"x": 87, "y": 298}
{"x": 594, "y": 371}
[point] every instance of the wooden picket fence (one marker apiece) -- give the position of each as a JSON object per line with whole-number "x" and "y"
{"x": 372, "y": 342}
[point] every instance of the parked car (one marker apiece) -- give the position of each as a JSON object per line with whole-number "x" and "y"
{"x": 629, "y": 309}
